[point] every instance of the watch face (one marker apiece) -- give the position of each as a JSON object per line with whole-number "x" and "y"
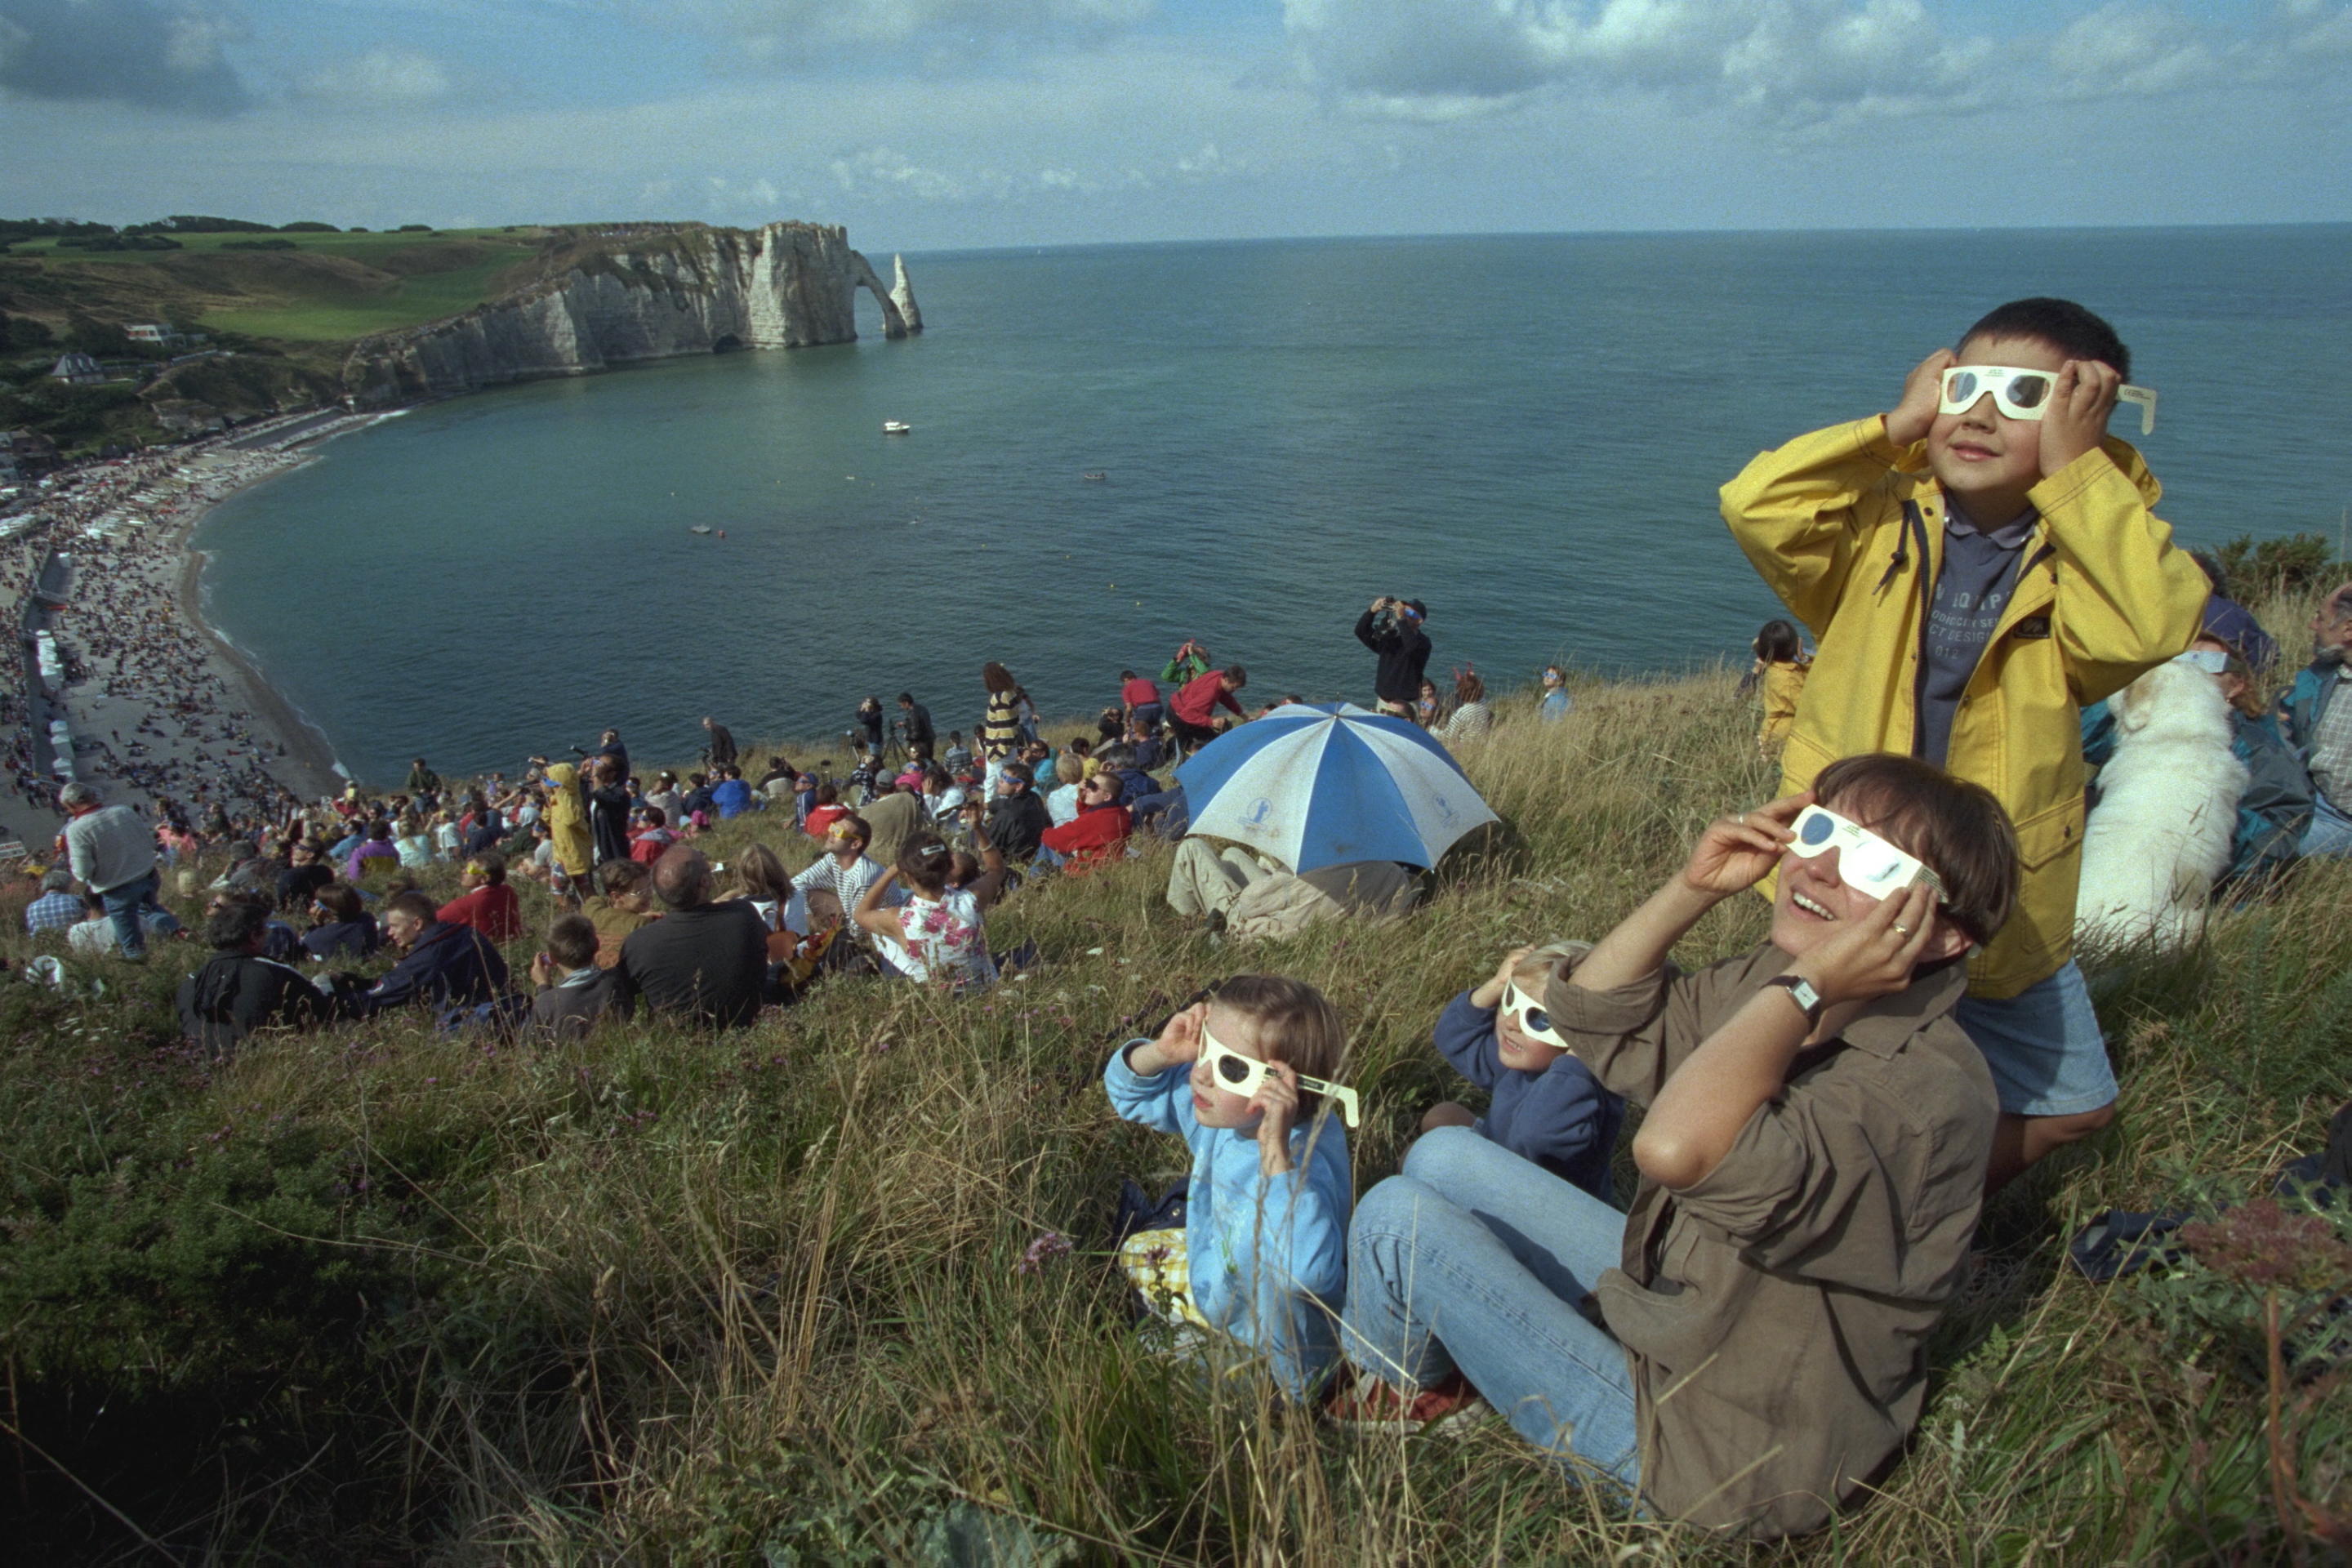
{"x": 1803, "y": 992}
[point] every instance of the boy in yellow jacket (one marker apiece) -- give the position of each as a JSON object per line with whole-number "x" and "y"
{"x": 1977, "y": 565}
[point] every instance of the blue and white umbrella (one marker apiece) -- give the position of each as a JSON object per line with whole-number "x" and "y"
{"x": 1316, "y": 783}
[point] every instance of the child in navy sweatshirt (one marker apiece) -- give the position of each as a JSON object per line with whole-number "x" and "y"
{"x": 1545, "y": 1106}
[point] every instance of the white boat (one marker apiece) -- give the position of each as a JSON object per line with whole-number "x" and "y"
{"x": 700, "y": 528}
{"x": 896, "y": 428}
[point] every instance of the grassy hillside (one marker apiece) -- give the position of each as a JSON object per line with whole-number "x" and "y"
{"x": 383, "y": 1295}
{"x": 325, "y": 288}
{"x": 285, "y": 304}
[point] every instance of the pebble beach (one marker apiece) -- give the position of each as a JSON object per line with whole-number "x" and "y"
{"x": 160, "y": 706}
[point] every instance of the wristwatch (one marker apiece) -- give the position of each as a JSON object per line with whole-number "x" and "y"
{"x": 1801, "y": 989}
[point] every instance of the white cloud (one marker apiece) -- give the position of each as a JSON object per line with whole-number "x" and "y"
{"x": 878, "y": 169}
{"x": 2124, "y": 47}
{"x": 771, "y": 32}
{"x": 1798, "y": 63}
{"x": 385, "y": 78}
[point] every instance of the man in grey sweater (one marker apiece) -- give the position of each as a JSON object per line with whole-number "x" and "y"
{"x": 113, "y": 854}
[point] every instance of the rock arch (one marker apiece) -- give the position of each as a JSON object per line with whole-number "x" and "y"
{"x": 894, "y": 321}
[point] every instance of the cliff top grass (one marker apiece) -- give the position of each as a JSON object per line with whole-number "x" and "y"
{"x": 289, "y": 304}
{"x": 386, "y": 1294}
{"x": 305, "y": 288}
{"x": 310, "y": 287}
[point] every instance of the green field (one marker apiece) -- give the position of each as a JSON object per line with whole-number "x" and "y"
{"x": 391, "y": 1295}
{"x": 411, "y": 302}
{"x": 369, "y": 282}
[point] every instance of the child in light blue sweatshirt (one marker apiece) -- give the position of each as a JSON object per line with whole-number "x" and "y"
{"x": 1263, "y": 1257}
{"x": 1545, "y": 1105}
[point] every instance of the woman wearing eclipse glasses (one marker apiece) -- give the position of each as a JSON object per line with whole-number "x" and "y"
{"x": 1745, "y": 1348}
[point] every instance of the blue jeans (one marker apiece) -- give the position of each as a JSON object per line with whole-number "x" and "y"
{"x": 2330, "y": 832}
{"x": 1475, "y": 1260}
{"x": 2044, "y": 1045}
{"x": 126, "y": 903}
{"x": 1165, "y": 813}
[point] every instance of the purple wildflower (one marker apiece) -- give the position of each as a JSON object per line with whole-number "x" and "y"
{"x": 1052, "y": 1244}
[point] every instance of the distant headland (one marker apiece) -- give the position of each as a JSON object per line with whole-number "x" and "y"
{"x": 190, "y": 324}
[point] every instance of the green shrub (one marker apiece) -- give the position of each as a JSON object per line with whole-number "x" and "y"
{"x": 2301, "y": 564}
{"x": 25, "y": 332}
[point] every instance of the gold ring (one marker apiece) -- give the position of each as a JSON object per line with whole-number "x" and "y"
{"x": 1902, "y": 931}
{"x": 1743, "y": 819}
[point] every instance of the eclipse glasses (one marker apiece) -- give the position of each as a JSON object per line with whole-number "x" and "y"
{"x": 1242, "y": 1075}
{"x": 1866, "y": 863}
{"x": 2025, "y": 393}
{"x": 1528, "y": 1015}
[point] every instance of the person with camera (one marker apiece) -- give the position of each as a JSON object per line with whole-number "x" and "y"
{"x": 915, "y": 728}
{"x": 1393, "y": 629}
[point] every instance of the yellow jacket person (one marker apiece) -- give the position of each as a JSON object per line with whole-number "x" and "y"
{"x": 1848, "y": 530}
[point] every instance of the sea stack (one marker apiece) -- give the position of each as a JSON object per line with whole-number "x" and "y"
{"x": 902, "y": 294}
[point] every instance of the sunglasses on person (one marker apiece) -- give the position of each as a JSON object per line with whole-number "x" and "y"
{"x": 1866, "y": 863}
{"x": 2024, "y": 394}
{"x": 1242, "y": 1075}
{"x": 1528, "y": 1015}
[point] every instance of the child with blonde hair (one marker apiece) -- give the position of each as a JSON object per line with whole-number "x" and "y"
{"x": 1242, "y": 1077}
{"x": 1545, "y": 1105}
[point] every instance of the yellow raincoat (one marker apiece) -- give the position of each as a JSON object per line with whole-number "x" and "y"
{"x": 1784, "y": 684}
{"x": 1849, "y": 531}
{"x": 567, "y": 822}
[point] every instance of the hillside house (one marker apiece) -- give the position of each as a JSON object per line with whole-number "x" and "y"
{"x": 78, "y": 370}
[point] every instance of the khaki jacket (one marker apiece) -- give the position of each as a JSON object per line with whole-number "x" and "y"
{"x": 1776, "y": 1313}
{"x": 1848, "y": 531}
{"x": 1282, "y": 904}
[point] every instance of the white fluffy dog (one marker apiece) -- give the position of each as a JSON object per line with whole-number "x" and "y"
{"x": 2168, "y": 806}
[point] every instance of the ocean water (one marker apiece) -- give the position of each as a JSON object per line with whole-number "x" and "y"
{"x": 1526, "y": 431}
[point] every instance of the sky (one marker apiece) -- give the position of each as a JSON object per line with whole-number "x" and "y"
{"x": 938, "y": 124}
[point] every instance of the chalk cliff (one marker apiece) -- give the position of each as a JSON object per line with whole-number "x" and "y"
{"x": 644, "y": 295}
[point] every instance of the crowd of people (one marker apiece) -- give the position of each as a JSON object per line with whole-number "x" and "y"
{"x": 1741, "y": 1345}
{"x": 149, "y": 703}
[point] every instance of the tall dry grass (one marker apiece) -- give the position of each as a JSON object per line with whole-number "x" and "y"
{"x": 658, "y": 1297}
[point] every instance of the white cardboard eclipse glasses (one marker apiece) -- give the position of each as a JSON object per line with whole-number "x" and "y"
{"x": 2024, "y": 394}
{"x": 1866, "y": 863}
{"x": 1528, "y": 1015}
{"x": 1242, "y": 1075}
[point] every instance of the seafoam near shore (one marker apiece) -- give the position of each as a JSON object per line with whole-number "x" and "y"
{"x": 157, "y": 713}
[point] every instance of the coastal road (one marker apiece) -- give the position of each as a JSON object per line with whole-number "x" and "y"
{"x": 277, "y": 433}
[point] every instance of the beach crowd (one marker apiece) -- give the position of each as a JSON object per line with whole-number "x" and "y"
{"x": 1739, "y": 1341}
{"x": 151, "y": 703}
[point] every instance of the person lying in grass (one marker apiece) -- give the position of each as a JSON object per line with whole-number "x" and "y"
{"x": 1811, "y": 1165}
{"x": 1262, "y": 1257}
{"x": 1544, "y": 1105}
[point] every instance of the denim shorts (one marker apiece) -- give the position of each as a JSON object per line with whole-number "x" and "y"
{"x": 2043, "y": 1045}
